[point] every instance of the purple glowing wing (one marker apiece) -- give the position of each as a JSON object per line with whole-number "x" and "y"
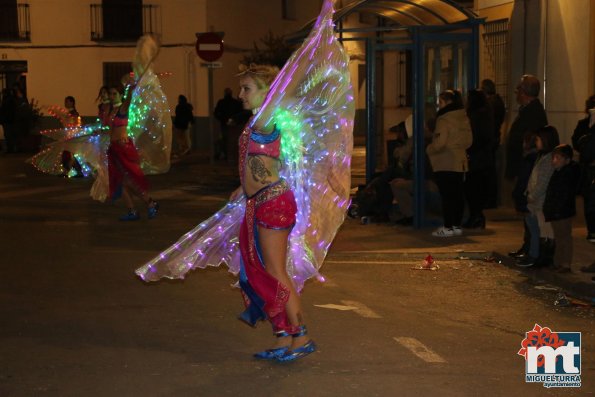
{"x": 211, "y": 243}
{"x": 311, "y": 102}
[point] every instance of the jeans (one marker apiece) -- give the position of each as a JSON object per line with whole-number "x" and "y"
{"x": 533, "y": 226}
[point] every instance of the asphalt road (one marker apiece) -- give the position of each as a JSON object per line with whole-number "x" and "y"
{"x": 75, "y": 321}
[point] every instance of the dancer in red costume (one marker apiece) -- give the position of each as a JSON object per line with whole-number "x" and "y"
{"x": 269, "y": 216}
{"x": 126, "y": 178}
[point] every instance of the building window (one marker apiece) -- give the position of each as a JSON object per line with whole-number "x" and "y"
{"x": 288, "y": 10}
{"x": 495, "y": 65}
{"x": 114, "y": 71}
{"x": 122, "y": 20}
{"x": 14, "y": 21}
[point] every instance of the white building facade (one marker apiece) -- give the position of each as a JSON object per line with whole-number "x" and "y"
{"x": 57, "y": 48}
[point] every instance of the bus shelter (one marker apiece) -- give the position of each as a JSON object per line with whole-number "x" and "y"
{"x": 437, "y": 46}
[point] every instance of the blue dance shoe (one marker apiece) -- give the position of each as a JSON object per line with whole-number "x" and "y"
{"x": 130, "y": 216}
{"x": 272, "y": 354}
{"x": 296, "y": 354}
{"x": 153, "y": 209}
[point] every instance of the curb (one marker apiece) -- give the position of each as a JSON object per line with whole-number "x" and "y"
{"x": 399, "y": 256}
{"x": 567, "y": 283}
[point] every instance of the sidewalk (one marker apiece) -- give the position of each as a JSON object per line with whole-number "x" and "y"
{"x": 503, "y": 233}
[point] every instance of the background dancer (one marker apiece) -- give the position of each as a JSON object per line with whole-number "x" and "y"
{"x": 150, "y": 129}
{"x": 126, "y": 177}
{"x": 103, "y": 104}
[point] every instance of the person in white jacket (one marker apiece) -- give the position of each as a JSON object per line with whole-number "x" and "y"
{"x": 448, "y": 156}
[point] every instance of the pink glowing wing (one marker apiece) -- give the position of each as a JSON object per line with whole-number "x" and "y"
{"x": 213, "y": 242}
{"x": 74, "y": 131}
{"x": 311, "y": 102}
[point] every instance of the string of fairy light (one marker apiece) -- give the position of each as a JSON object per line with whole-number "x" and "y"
{"x": 142, "y": 117}
{"x": 49, "y": 159}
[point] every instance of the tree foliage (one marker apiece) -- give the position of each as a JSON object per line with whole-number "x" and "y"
{"x": 275, "y": 51}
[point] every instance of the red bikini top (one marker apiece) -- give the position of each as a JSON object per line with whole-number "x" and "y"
{"x": 118, "y": 120}
{"x": 265, "y": 144}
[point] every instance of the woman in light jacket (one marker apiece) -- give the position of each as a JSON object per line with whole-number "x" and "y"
{"x": 448, "y": 157}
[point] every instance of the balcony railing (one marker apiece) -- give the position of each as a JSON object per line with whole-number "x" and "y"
{"x": 15, "y": 24}
{"x": 122, "y": 22}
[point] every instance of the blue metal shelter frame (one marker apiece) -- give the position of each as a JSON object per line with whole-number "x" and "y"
{"x": 423, "y": 21}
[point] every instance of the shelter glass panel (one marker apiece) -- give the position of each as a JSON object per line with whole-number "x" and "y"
{"x": 446, "y": 68}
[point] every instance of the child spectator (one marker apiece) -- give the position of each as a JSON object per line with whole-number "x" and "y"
{"x": 560, "y": 204}
{"x": 541, "y": 250}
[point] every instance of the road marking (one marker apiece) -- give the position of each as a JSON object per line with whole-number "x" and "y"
{"x": 362, "y": 309}
{"x": 419, "y": 349}
{"x": 354, "y": 306}
{"x": 365, "y": 262}
{"x": 337, "y": 307}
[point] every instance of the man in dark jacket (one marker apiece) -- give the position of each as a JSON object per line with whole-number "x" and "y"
{"x": 226, "y": 108}
{"x": 531, "y": 117}
{"x": 498, "y": 110}
{"x": 184, "y": 116}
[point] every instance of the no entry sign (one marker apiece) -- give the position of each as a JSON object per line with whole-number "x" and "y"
{"x": 209, "y": 46}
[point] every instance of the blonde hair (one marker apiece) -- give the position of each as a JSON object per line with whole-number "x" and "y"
{"x": 263, "y": 75}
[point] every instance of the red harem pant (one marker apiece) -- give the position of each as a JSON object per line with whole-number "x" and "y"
{"x": 273, "y": 207}
{"x": 123, "y": 164}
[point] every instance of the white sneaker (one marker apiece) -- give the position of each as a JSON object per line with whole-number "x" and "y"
{"x": 443, "y": 232}
{"x": 457, "y": 231}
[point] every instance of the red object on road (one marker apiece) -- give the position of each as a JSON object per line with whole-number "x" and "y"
{"x": 429, "y": 261}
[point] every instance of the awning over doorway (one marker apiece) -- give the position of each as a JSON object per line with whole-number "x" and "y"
{"x": 402, "y": 13}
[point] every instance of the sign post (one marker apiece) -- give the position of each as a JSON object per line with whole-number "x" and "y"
{"x": 209, "y": 48}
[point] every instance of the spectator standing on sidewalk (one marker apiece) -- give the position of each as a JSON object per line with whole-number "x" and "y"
{"x": 541, "y": 250}
{"x": 447, "y": 153}
{"x": 518, "y": 192}
{"x": 583, "y": 141}
{"x": 182, "y": 120}
{"x": 498, "y": 109}
{"x": 559, "y": 206}
{"x": 530, "y": 118}
{"x": 481, "y": 158}
{"x": 226, "y": 108}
